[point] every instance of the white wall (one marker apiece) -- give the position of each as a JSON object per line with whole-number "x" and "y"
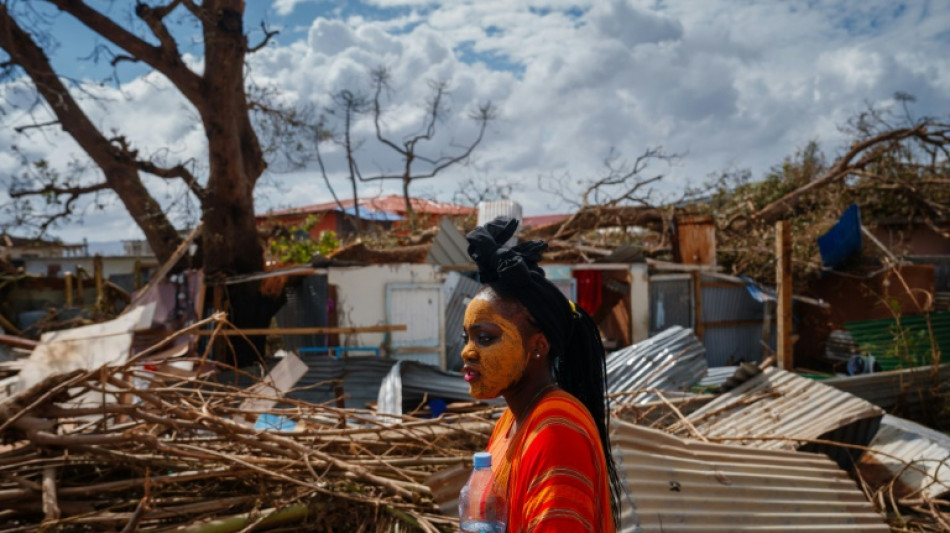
{"x": 361, "y": 292}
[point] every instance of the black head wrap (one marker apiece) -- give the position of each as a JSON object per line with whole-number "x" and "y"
{"x": 516, "y": 273}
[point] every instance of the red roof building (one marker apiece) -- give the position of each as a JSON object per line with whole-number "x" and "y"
{"x": 385, "y": 212}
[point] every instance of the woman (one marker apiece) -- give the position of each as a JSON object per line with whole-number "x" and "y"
{"x": 528, "y": 343}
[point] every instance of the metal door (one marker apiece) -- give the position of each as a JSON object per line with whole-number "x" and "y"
{"x": 419, "y": 307}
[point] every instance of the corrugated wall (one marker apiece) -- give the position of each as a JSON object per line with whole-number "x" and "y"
{"x": 732, "y": 319}
{"x": 457, "y": 290}
{"x": 684, "y": 486}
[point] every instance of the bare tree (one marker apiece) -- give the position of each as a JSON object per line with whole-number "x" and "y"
{"x": 230, "y": 244}
{"x": 409, "y": 147}
{"x": 476, "y": 189}
{"x": 621, "y": 196}
{"x": 348, "y": 106}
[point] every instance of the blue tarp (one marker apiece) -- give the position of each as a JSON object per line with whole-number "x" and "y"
{"x": 843, "y": 240}
{"x": 370, "y": 214}
{"x": 760, "y": 294}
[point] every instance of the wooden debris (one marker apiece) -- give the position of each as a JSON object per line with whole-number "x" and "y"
{"x": 164, "y": 452}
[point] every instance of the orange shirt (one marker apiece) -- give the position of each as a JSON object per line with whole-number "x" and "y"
{"x": 554, "y": 469}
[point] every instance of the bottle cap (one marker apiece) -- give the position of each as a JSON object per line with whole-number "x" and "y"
{"x": 482, "y": 460}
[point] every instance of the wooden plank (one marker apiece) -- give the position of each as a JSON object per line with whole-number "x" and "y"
{"x": 8, "y": 326}
{"x": 301, "y": 331}
{"x": 731, "y": 323}
{"x": 97, "y": 277}
{"x": 679, "y": 267}
{"x": 68, "y": 281}
{"x": 783, "y": 275}
{"x": 639, "y": 303}
{"x": 695, "y": 240}
{"x": 699, "y": 328}
{"x": 17, "y": 342}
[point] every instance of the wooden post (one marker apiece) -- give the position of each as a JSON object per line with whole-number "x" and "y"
{"x": 8, "y": 326}
{"x": 100, "y": 286}
{"x": 783, "y": 275}
{"x": 80, "y": 272}
{"x": 68, "y": 281}
{"x": 137, "y": 274}
{"x": 699, "y": 330}
{"x": 639, "y": 302}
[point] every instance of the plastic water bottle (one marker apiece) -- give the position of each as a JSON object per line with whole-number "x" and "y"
{"x": 482, "y": 506}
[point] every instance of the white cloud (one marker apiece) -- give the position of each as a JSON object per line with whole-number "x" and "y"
{"x": 284, "y": 7}
{"x": 731, "y": 83}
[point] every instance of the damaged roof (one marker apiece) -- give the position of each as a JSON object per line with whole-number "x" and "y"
{"x": 916, "y": 454}
{"x": 686, "y": 486}
{"x": 672, "y": 360}
{"x": 778, "y": 410}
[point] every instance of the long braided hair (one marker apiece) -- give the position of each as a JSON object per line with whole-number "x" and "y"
{"x": 577, "y": 355}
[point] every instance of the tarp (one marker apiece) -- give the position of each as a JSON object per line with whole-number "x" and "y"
{"x": 843, "y": 240}
{"x": 372, "y": 214}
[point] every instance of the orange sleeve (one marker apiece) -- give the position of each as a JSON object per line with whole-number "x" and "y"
{"x": 560, "y": 476}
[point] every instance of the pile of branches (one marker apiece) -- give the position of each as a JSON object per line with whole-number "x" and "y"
{"x": 897, "y": 175}
{"x": 90, "y": 451}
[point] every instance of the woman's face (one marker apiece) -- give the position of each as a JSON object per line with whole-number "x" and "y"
{"x": 494, "y": 353}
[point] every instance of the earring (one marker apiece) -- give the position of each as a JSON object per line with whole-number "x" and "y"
{"x": 537, "y": 355}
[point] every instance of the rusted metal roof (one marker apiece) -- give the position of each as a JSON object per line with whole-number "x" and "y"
{"x": 777, "y": 407}
{"x": 920, "y": 455}
{"x": 392, "y": 203}
{"x": 689, "y": 486}
{"x": 673, "y": 360}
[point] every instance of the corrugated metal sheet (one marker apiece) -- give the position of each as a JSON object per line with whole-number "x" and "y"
{"x": 905, "y": 343}
{"x": 909, "y": 391}
{"x": 688, "y": 486}
{"x": 449, "y": 248}
{"x": 727, "y": 333}
{"x": 732, "y": 319}
{"x": 488, "y": 211}
{"x": 734, "y": 344}
{"x": 716, "y": 376}
{"x": 360, "y": 377}
{"x": 456, "y": 291}
{"x": 722, "y": 303}
{"x": 920, "y": 455}
{"x": 783, "y": 405}
{"x": 419, "y": 380}
{"x": 672, "y": 360}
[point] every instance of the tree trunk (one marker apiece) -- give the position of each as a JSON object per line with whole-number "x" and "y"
{"x": 230, "y": 244}
{"x": 230, "y": 240}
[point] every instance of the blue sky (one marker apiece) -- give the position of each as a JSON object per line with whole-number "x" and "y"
{"x": 727, "y": 83}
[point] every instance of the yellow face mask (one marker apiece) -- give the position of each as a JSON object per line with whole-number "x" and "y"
{"x": 494, "y": 353}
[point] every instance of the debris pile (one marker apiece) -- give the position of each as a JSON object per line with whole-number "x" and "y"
{"x": 159, "y": 451}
